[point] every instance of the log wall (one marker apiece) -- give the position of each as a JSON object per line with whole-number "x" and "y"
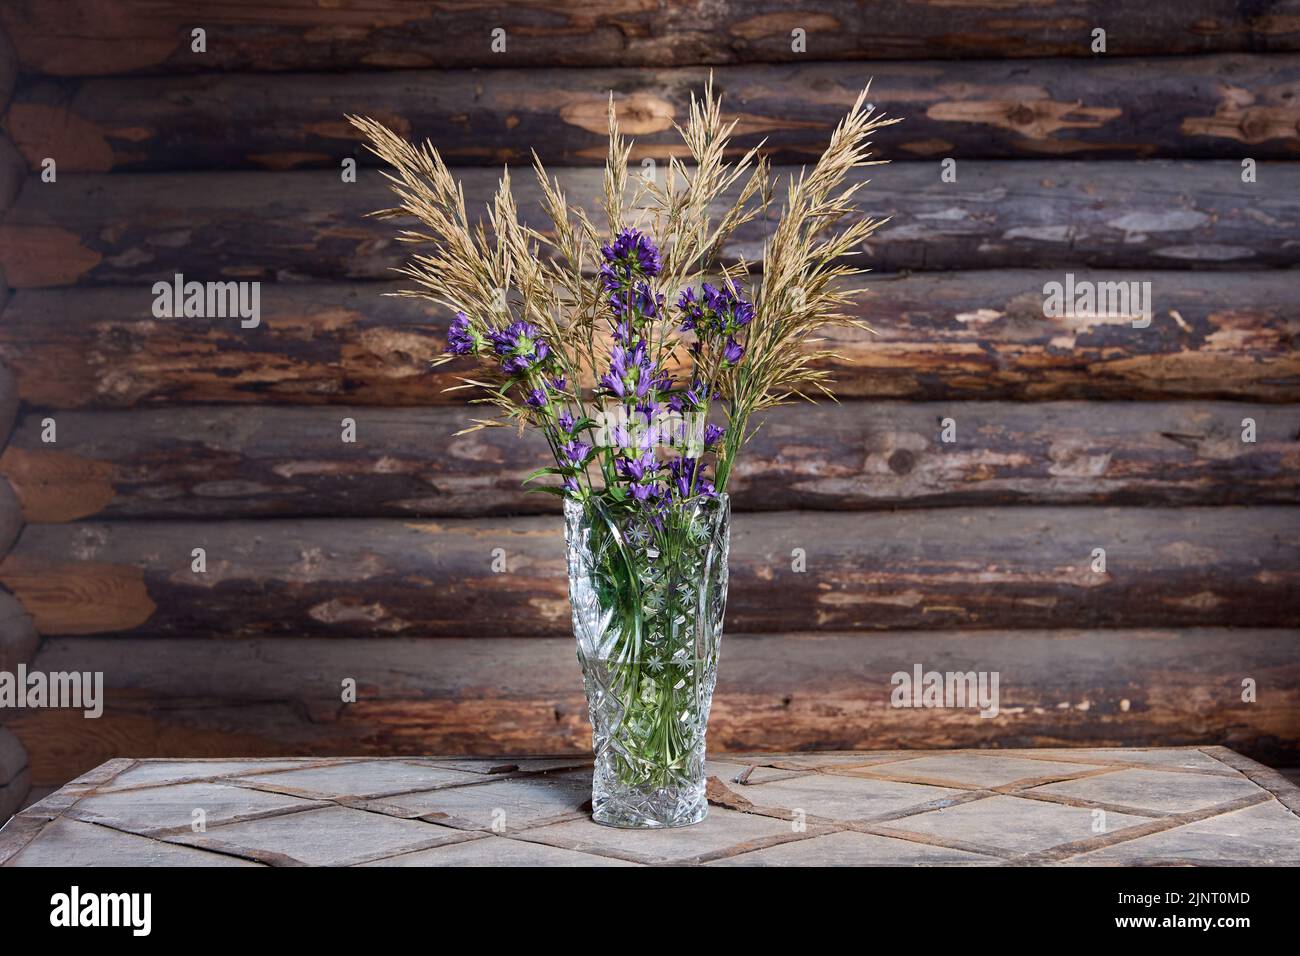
{"x": 18, "y": 640}
{"x": 975, "y": 335}
{"x": 1117, "y": 108}
{"x": 137, "y": 228}
{"x": 76, "y": 39}
{"x": 864, "y": 543}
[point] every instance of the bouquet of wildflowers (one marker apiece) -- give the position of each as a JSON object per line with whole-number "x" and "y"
{"x": 642, "y": 357}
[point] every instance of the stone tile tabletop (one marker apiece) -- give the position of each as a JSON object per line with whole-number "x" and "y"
{"x": 1121, "y": 807}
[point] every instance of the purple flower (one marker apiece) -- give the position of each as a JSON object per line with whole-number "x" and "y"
{"x": 713, "y": 434}
{"x": 637, "y": 468}
{"x": 571, "y": 484}
{"x": 575, "y": 453}
{"x": 687, "y": 400}
{"x": 460, "y": 340}
{"x": 566, "y": 420}
{"x": 690, "y": 309}
{"x": 631, "y": 371}
{"x": 504, "y": 341}
{"x": 732, "y": 310}
{"x": 613, "y": 383}
{"x": 536, "y": 399}
{"x": 631, "y": 252}
{"x": 644, "y": 493}
{"x": 614, "y": 277}
{"x": 688, "y": 477}
{"x": 639, "y": 300}
{"x": 733, "y": 352}
{"x": 619, "y": 436}
{"x": 721, "y": 312}
{"x": 639, "y": 353}
{"x": 520, "y": 347}
{"x": 651, "y": 411}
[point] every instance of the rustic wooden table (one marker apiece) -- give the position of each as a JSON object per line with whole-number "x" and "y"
{"x": 1076, "y": 807}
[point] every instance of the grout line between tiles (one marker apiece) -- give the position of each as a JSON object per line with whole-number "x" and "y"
{"x": 1065, "y": 851}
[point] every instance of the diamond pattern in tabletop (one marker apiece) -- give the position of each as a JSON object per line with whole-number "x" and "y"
{"x": 973, "y": 770}
{"x": 1154, "y": 790}
{"x": 1174, "y": 758}
{"x": 547, "y": 813}
{"x": 1011, "y": 824}
{"x": 481, "y": 766}
{"x": 1267, "y": 834}
{"x": 161, "y": 808}
{"x": 841, "y": 797}
{"x": 848, "y": 848}
{"x": 151, "y": 772}
{"x": 499, "y": 851}
{"x": 73, "y": 843}
{"x": 727, "y": 772}
{"x": 331, "y": 836}
{"x": 513, "y": 804}
{"x": 721, "y": 831}
{"x": 817, "y": 761}
{"x": 364, "y": 778}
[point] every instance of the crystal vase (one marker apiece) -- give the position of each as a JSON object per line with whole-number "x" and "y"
{"x": 648, "y": 600}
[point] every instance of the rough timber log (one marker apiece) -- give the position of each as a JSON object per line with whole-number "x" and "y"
{"x": 980, "y": 335}
{"x": 15, "y": 774}
{"x": 137, "y": 229}
{"x": 8, "y": 386}
{"x": 89, "y": 37}
{"x": 1184, "y": 107}
{"x": 18, "y": 640}
{"x": 11, "y": 517}
{"x": 233, "y": 462}
{"x": 8, "y": 65}
{"x": 501, "y": 695}
{"x": 955, "y": 567}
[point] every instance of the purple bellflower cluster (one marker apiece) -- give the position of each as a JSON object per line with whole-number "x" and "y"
{"x": 716, "y": 317}
{"x": 639, "y": 467}
{"x": 645, "y": 389}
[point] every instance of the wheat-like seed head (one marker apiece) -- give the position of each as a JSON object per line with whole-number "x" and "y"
{"x": 503, "y": 270}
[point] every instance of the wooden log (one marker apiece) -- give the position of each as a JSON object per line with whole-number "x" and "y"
{"x": 316, "y": 343}
{"x": 139, "y": 228}
{"x": 13, "y": 172}
{"x": 965, "y": 335}
{"x": 1184, "y": 107}
{"x": 15, "y": 774}
{"x": 1000, "y": 567}
{"x": 11, "y": 517}
{"x": 775, "y": 692}
{"x": 139, "y": 36}
{"x": 8, "y": 396}
{"x": 212, "y": 462}
{"x": 13, "y": 759}
{"x": 18, "y": 640}
{"x": 8, "y": 66}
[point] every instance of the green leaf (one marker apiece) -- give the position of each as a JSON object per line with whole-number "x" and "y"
{"x": 551, "y": 470}
{"x": 558, "y": 492}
